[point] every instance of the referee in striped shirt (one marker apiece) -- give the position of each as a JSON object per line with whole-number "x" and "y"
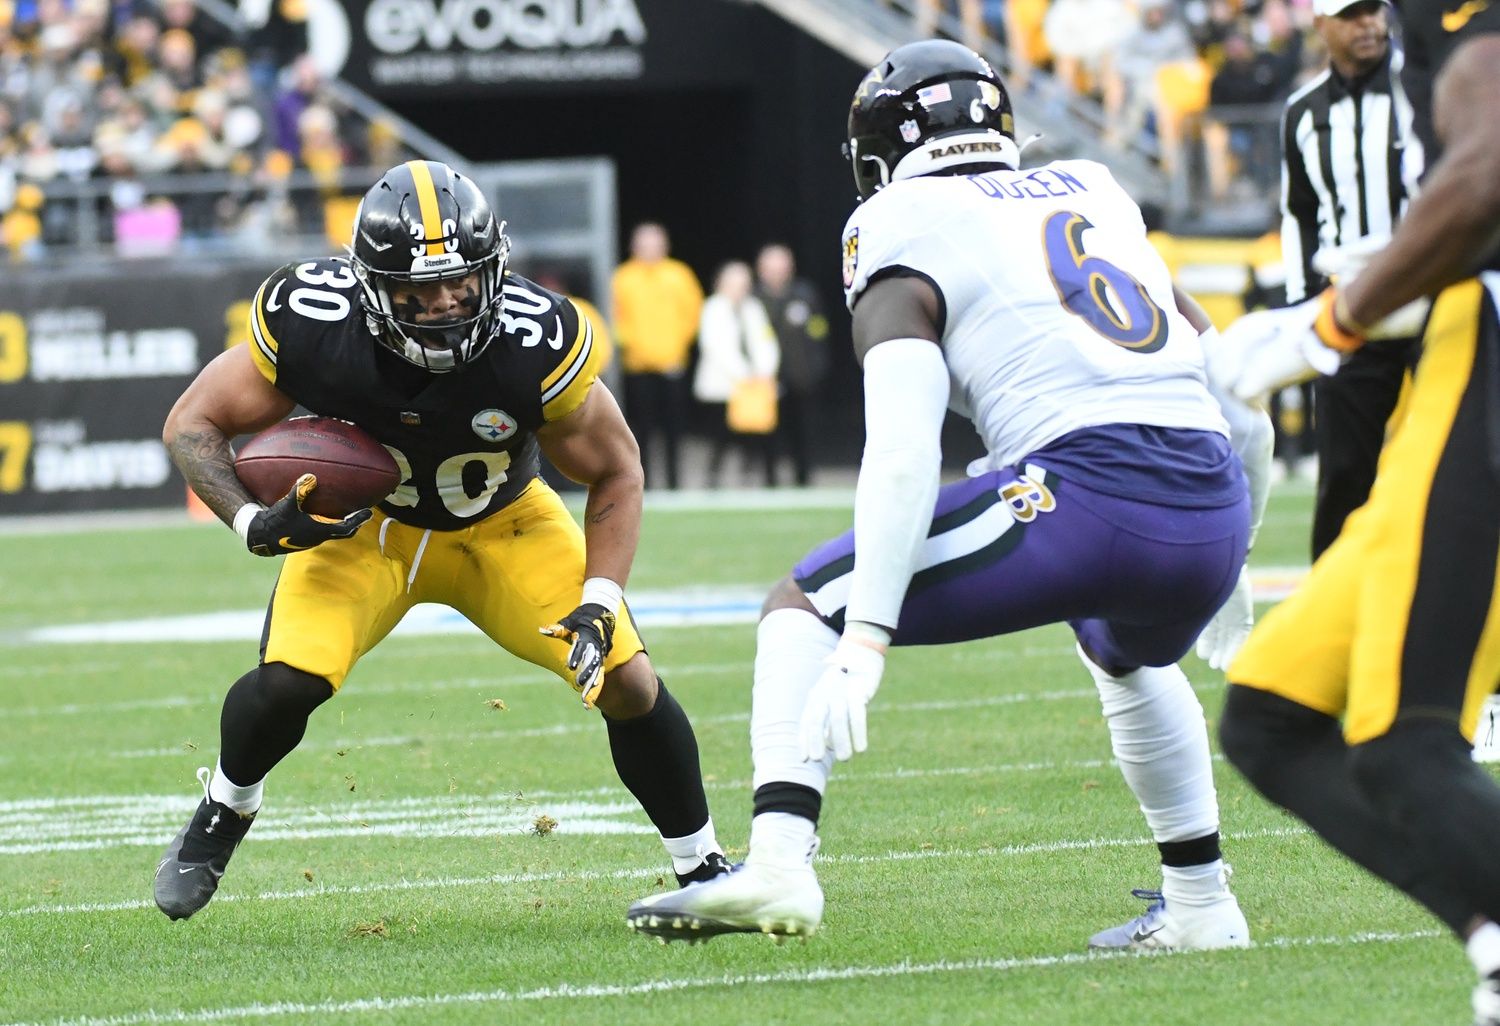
{"x": 1346, "y": 165}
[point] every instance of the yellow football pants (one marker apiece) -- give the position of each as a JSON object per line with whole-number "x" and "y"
{"x": 510, "y": 574}
{"x": 1399, "y": 620}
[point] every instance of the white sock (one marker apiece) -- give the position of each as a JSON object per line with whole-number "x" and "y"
{"x": 790, "y": 647}
{"x": 1194, "y": 885}
{"x": 244, "y": 800}
{"x": 1160, "y": 740}
{"x": 1483, "y": 947}
{"x": 687, "y": 852}
{"x": 781, "y": 838}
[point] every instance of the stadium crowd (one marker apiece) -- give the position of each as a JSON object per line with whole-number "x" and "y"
{"x": 122, "y": 92}
{"x": 1168, "y": 73}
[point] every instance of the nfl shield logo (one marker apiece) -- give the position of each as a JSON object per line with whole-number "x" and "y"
{"x": 910, "y": 132}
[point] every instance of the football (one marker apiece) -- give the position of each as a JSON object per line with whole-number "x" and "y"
{"x": 353, "y": 470}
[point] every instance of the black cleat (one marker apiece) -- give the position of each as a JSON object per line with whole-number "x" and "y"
{"x": 189, "y": 872}
{"x": 713, "y": 866}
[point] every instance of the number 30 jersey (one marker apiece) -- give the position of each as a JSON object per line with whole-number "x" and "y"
{"x": 1055, "y": 312}
{"x": 465, "y": 440}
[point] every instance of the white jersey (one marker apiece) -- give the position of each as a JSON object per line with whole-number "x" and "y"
{"x": 1056, "y": 312}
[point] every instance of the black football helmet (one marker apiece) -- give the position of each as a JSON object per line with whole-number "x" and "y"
{"x": 927, "y": 107}
{"x": 423, "y": 222}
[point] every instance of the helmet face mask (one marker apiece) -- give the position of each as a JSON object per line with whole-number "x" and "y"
{"x": 927, "y": 107}
{"x": 421, "y": 224}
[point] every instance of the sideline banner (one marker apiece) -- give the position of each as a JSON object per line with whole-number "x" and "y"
{"x": 89, "y": 366}
{"x": 398, "y": 48}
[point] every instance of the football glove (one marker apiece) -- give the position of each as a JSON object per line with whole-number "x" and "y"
{"x": 591, "y": 629}
{"x": 285, "y": 527}
{"x": 834, "y": 717}
{"x": 1265, "y": 351}
{"x": 1222, "y": 639}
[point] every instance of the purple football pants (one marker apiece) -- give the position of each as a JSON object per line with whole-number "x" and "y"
{"x": 1015, "y": 549}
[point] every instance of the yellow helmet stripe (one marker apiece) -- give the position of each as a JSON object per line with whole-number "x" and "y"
{"x": 427, "y": 204}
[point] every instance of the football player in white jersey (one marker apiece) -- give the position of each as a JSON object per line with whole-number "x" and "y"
{"x": 1111, "y": 498}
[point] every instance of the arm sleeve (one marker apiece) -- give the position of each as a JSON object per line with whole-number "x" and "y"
{"x": 898, "y": 474}
{"x": 1299, "y": 217}
{"x": 265, "y": 348}
{"x": 568, "y": 384}
{"x": 1252, "y": 437}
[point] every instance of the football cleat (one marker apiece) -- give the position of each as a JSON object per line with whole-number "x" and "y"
{"x": 189, "y": 872}
{"x": 757, "y": 897}
{"x": 1487, "y": 1002}
{"x": 713, "y": 866}
{"x": 1220, "y": 924}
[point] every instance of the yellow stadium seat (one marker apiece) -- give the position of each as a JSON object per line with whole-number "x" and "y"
{"x": 338, "y": 218}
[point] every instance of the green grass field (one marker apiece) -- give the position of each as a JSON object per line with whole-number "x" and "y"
{"x": 394, "y": 875}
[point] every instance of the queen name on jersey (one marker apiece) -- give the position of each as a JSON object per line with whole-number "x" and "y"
{"x": 465, "y": 441}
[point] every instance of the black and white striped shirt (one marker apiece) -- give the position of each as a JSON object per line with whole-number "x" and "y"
{"x": 1349, "y": 163}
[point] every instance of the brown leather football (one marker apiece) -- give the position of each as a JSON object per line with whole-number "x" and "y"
{"x": 353, "y": 470}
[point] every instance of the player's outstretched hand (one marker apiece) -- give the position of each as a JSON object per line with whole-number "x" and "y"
{"x": 834, "y": 717}
{"x": 1226, "y": 633}
{"x": 285, "y": 527}
{"x": 1265, "y": 351}
{"x": 591, "y": 630}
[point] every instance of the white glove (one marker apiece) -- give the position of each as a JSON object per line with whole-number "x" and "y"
{"x": 1221, "y": 640}
{"x": 1344, "y": 263}
{"x": 1265, "y": 351}
{"x": 834, "y": 716}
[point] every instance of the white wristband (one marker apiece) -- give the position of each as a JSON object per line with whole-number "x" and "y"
{"x": 242, "y": 520}
{"x": 601, "y": 591}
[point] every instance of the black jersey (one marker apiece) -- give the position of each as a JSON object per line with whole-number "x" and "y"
{"x": 1432, "y": 30}
{"x": 465, "y": 440}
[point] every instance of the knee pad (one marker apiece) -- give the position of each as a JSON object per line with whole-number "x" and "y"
{"x": 1403, "y": 768}
{"x": 283, "y": 688}
{"x": 1257, "y": 728}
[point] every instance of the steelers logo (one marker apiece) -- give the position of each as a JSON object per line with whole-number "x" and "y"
{"x": 493, "y": 425}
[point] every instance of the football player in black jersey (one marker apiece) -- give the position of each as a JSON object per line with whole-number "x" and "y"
{"x": 1396, "y": 631}
{"x": 465, "y": 372}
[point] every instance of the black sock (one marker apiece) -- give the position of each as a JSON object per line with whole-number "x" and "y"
{"x": 1297, "y": 758}
{"x": 656, "y": 756}
{"x": 265, "y": 715}
{"x": 795, "y": 799}
{"x": 1196, "y": 852}
{"x": 1422, "y": 775}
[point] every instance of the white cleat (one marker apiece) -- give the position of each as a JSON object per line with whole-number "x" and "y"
{"x": 1219, "y": 924}
{"x": 757, "y": 897}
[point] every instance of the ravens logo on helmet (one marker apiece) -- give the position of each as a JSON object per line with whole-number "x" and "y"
{"x": 928, "y": 107}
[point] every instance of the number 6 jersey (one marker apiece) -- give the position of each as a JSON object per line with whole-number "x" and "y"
{"x": 1055, "y": 312}
{"x": 465, "y": 440}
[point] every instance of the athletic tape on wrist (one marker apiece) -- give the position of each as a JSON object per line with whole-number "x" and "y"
{"x": 242, "y": 520}
{"x": 602, "y": 591}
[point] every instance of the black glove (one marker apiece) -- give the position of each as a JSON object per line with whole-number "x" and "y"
{"x": 284, "y": 527}
{"x": 591, "y": 629}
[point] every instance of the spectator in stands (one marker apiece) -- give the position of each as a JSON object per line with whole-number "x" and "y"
{"x": 304, "y": 83}
{"x": 657, "y": 302}
{"x": 735, "y": 346}
{"x": 177, "y": 60}
{"x": 207, "y": 33}
{"x": 134, "y": 52}
{"x": 1243, "y": 137}
{"x": 1081, "y": 35}
{"x": 796, "y": 314}
{"x": 1130, "y": 74}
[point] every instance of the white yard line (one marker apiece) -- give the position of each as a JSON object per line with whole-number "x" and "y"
{"x": 576, "y": 992}
{"x": 441, "y": 883}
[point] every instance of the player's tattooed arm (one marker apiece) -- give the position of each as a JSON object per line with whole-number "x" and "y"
{"x": 229, "y": 397}
{"x": 593, "y": 446}
{"x": 207, "y": 461}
